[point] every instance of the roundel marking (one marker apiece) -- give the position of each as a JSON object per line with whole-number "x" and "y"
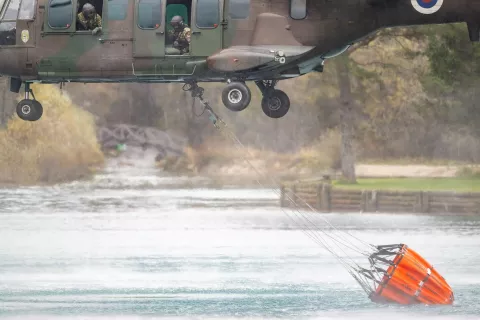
{"x": 427, "y": 6}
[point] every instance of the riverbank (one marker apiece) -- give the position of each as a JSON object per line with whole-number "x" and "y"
{"x": 232, "y": 166}
{"x": 458, "y": 184}
{"x": 326, "y": 197}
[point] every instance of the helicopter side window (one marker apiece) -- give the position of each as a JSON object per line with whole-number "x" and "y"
{"x": 208, "y": 13}
{"x": 149, "y": 14}
{"x": 60, "y": 14}
{"x": 298, "y": 9}
{"x": 239, "y": 9}
{"x": 117, "y": 9}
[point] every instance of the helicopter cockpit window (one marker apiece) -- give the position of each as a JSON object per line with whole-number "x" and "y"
{"x": 12, "y": 10}
{"x": 208, "y": 13}
{"x": 298, "y": 9}
{"x": 149, "y": 14}
{"x": 239, "y": 9}
{"x": 117, "y": 9}
{"x": 8, "y": 33}
{"x": 8, "y": 26}
{"x": 27, "y": 10}
{"x": 60, "y": 14}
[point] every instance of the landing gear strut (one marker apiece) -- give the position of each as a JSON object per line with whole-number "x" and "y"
{"x": 28, "y": 109}
{"x": 275, "y": 103}
{"x": 236, "y": 96}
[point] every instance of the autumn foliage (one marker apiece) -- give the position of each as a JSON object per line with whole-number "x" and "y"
{"x": 61, "y": 146}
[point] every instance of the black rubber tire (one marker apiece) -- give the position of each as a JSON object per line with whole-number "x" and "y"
{"x": 29, "y": 110}
{"x": 236, "y": 88}
{"x": 276, "y": 104}
{"x": 38, "y": 110}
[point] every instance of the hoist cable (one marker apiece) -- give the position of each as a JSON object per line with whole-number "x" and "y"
{"x": 317, "y": 235}
{"x": 313, "y": 236}
{"x": 353, "y": 268}
{"x": 235, "y": 139}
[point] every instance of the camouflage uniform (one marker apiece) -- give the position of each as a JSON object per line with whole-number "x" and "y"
{"x": 90, "y": 24}
{"x": 181, "y": 39}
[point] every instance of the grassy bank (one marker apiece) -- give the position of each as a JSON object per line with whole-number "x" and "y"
{"x": 61, "y": 146}
{"x": 221, "y": 161}
{"x": 414, "y": 184}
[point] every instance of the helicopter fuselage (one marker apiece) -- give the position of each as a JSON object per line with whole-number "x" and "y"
{"x": 231, "y": 40}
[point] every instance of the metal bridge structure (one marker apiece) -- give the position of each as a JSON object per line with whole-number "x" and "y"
{"x": 130, "y": 135}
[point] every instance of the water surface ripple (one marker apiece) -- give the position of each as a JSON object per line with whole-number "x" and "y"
{"x": 132, "y": 244}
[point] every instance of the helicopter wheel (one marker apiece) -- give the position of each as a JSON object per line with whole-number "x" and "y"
{"x": 29, "y": 110}
{"x": 236, "y": 96}
{"x": 275, "y": 104}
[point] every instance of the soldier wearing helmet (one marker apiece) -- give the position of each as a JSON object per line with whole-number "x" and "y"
{"x": 180, "y": 34}
{"x": 89, "y": 19}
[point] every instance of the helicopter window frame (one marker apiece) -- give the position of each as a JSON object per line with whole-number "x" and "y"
{"x": 199, "y": 14}
{"x": 237, "y": 4}
{"x": 296, "y": 7}
{"x": 117, "y": 10}
{"x": 160, "y": 6}
{"x": 50, "y": 15}
{"x": 2, "y": 4}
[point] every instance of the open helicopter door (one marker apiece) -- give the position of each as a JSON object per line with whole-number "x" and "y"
{"x": 207, "y": 27}
{"x": 149, "y": 29}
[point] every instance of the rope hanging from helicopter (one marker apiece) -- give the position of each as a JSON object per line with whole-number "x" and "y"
{"x": 341, "y": 240}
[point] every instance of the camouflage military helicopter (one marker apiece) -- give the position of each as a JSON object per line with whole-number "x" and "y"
{"x": 232, "y": 41}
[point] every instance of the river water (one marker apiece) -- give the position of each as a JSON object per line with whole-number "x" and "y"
{"x": 135, "y": 244}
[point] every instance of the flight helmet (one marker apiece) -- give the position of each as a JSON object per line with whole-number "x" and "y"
{"x": 88, "y": 11}
{"x": 177, "y": 23}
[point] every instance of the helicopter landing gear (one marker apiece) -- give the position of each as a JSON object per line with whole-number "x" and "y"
{"x": 275, "y": 103}
{"x": 236, "y": 96}
{"x": 28, "y": 109}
